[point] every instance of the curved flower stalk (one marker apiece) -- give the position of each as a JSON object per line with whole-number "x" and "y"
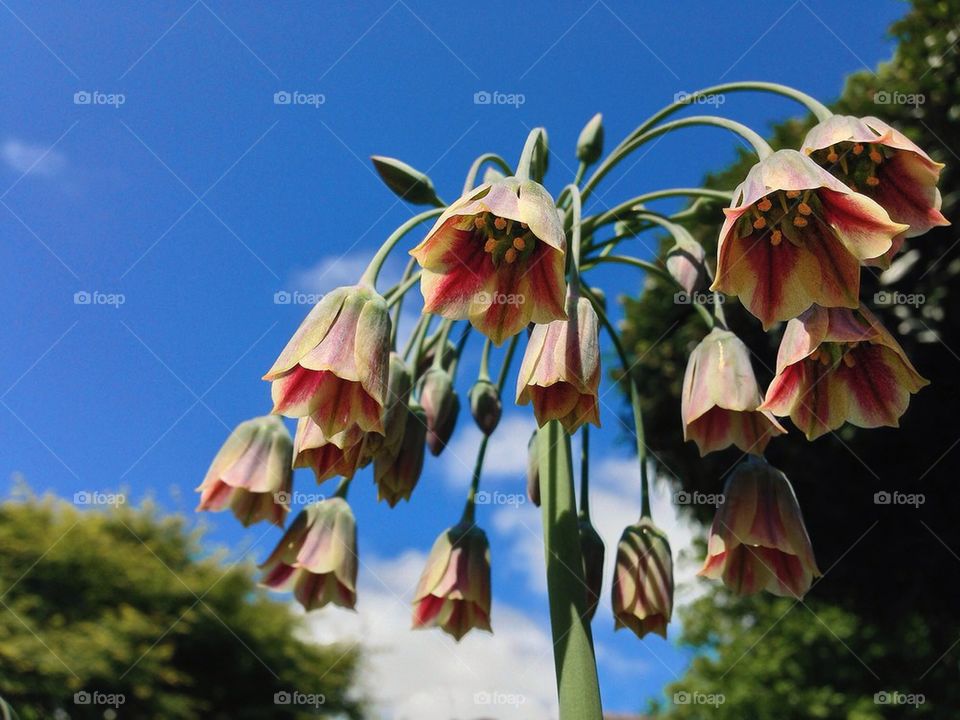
{"x": 837, "y": 365}
{"x": 334, "y": 368}
{"x": 758, "y": 540}
{"x": 643, "y": 580}
{"x": 251, "y": 474}
{"x": 496, "y": 258}
{"x": 879, "y": 161}
{"x": 796, "y": 236}
{"x": 317, "y": 557}
{"x": 720, "y": 405}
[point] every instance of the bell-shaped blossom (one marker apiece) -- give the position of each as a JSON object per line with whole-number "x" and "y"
{"x": 334, "y": 368}
{"x": 397, "y": 465}
{"x": 496, "y": 257}
{"x": 317, "y": 557}
{"x": 454, "y": 589}
{"x": 837, "y": 365}
{"x": 796, "y": 236}
{"x": 560, "y": 373}
{"x": 338, "y": 455}
{"x": 758, "y": 540}
{"x": 643, "y": 580}
{"x": 721, "y": 398}
{"x": 875, "y": 159}
{"x": 251, "y": 474}
{"x": 687, "y": 265}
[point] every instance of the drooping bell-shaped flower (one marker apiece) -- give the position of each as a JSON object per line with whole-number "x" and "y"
{"x": 796, "y": 236}
{"x": 454, "y": 589}
{"x": 837, "y": 365}
{"x": 686, "y": 263}
{"x": 338, "y": 455}
{"x": 334, "y": 368}
{"x": 485, "y": 405}
{"x": 758, "y": 540}
{"x": 317, "y": 557}
{"x": 592, "y": 550}
{"x": 397, "y": 465}
{"x": 251, "y": 474}
{"x": 496, "y": 257}
{"x": 442, "y": 405}
{"x": 560, "y": 373}
{"x": 720, "y": 398}
{"x": 643, "y": 580}
{"x": 875, "y": 159}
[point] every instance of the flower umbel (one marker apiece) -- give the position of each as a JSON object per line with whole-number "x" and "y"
{"x": 496, "y": 257}
{"x": 720, "y": 398}
{"x": 758, "y": 540}
{"x": 643, "y": 580}
{"x": 251, "y": 473}
{"x": 837, "y": 365}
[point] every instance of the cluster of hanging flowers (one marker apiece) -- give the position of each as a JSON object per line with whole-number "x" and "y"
{"x": 505, "y": 260}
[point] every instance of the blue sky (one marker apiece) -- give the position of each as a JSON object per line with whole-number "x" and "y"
{"x": 197, "y": 198}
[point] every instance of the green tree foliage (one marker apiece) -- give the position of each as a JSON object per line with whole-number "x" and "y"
{"x": 120, "y": 601}
{"x": 891, "y": 570}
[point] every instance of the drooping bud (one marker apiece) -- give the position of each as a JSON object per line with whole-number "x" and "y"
{"x": 399, "y": 385}
{"x": 533, "y": 470}
{"x": 397, "y": 468}
{"x": 686, "y": 263}
{"x": 441, "y": 404}
{"x": 454, "y": 589}
{"x": 407, "y": 182}
{"x": 643, "y": 581}
{"x": 590, "y": 142}
{"x": 426, "y": 360}
{"x": 485, "y": 405}
{"x": 592, "y": 550}
{"x": 317, "y": 557}
{"x": 251, "y": 473}
{"x": 758, "y": 540}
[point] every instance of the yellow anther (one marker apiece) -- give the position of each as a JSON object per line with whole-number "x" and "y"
{"x": 793, "y": 194}
{"x": 764, "y": 204}
{"x": 519, "y": 244}
{"x": 875, "y": 155}
{"x": 478, "y": 222}
{"x": 776, "y": 237}
{"x": 857, "y": 148}
{"x": 799, "y": 221}
{"x": 760, "y": 223}
{"x": 499, "y": 223}
{"x": 832, "y": 156}
{"x": 873, "y": 181}
{"x": 804, "y": 209}
{"x": 849, "y": 360}
{"x": 510, "y": 255}
{"x": 824, "y": 358}
{"x": 490, "y": 245}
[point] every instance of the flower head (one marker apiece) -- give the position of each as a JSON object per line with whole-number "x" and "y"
{"x": 874, "y": 159}
{"x": 454, "y": 589}
{"x": 796, "y": 236}
{"x": 720, "y": 399}
{"x": 251, "y": 474}
{"x": 837, "y": 365}
{"x": 758, "y": 540}
{"x": 643, "y": 581}
{"x": 560, "y": 373}
{"x": 334, "y": 368}
{"x": 496, "y": 257}
{"x": 317, "y": 557}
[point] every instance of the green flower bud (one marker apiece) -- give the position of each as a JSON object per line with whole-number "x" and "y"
{"x": 407, "y": 182}
{"x": 590, "y": 143}
{"x": 485, "y": 405}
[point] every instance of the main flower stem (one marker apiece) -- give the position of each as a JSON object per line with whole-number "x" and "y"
{"x": 369, "y": 276}
{"x": 576, "y": 668}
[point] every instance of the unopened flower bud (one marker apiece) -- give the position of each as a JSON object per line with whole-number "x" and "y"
{"x": 441, "y": 404}
{"x": 397, "y": 468}
{"x": 407, "y": 182}
{"x": 686, "y": 263}
{"x": 592, "y": 550}
{"x": 485, "y": 405}
{"x": 590, "y": 143}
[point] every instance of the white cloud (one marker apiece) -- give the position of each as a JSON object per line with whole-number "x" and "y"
{"x": 333, "y": 271}
{"x": 506, "y": 457}
{"x": 424, "y": 674}
{"x": 39, "y": 160}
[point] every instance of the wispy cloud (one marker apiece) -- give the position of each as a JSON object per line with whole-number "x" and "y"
{"x": 506, "y": 457}
{"x": 39, "y": 160}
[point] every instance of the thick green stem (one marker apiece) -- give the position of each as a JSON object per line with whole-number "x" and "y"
{"x": 576, "y": 668}
{"x": 373, "y": 269}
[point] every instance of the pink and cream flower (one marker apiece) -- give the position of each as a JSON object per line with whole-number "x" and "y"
{"x": 838, "y": 365}
{"x": 496, "y": 258}
{"x": 721, "y": 398}
{"x": 758, "y": 540}
{"x": 339, "y": 455}
{"x": 875, "y": 159}
{"x": 334, "y": 369}
{"x": 796, "y": 236}
{"x": 643, "y": 580}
